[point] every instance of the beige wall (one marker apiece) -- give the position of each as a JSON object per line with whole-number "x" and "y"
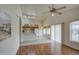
{"x": 66, "y": 17}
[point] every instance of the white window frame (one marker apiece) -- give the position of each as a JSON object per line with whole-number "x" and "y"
{"x": 70, "y": 33}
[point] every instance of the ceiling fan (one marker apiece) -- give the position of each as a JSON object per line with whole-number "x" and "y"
{"x": 54, "y": 10}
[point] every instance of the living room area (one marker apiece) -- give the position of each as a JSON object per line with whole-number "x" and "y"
{"x": 39, "y": 29}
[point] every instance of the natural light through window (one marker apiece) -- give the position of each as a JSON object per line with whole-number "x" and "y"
{"x": 74, "y": 31}
{"x": 46, "y": 31}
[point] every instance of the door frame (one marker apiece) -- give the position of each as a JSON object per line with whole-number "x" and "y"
{"x": 62, "y": 31}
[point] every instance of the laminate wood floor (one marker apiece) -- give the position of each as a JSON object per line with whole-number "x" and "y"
{"x": 46, "y": 49}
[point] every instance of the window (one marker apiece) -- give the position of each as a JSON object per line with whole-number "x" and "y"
{"x": 46, "y": 31}
{"x": 74, "y": 31}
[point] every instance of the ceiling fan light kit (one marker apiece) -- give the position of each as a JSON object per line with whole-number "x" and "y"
{"x": 53, "y": 14}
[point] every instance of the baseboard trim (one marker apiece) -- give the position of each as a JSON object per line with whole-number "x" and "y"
{"x": 34, "y": 43}
{"x": 71, "y": 47}
{"x": 17, "y": 50}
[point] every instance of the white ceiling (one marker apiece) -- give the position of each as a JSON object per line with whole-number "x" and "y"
{"x": 37, "y": 9}
{"x": 4, "y": 17}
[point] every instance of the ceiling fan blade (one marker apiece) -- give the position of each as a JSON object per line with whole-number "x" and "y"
{"x": 51, "y": 6}
{"x": 61, "y": 8}
{"x": 58, "y": 13}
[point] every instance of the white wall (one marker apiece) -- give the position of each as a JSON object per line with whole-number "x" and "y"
{"x": 65, "y": 18}
{"x": 10, "y": 45}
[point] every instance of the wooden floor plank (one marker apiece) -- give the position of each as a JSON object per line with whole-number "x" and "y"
{"x": 45, "y": 49}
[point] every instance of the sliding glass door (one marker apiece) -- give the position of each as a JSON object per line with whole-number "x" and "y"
{"x": 56, "y": 33}
{"x": 56, "y": 38}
